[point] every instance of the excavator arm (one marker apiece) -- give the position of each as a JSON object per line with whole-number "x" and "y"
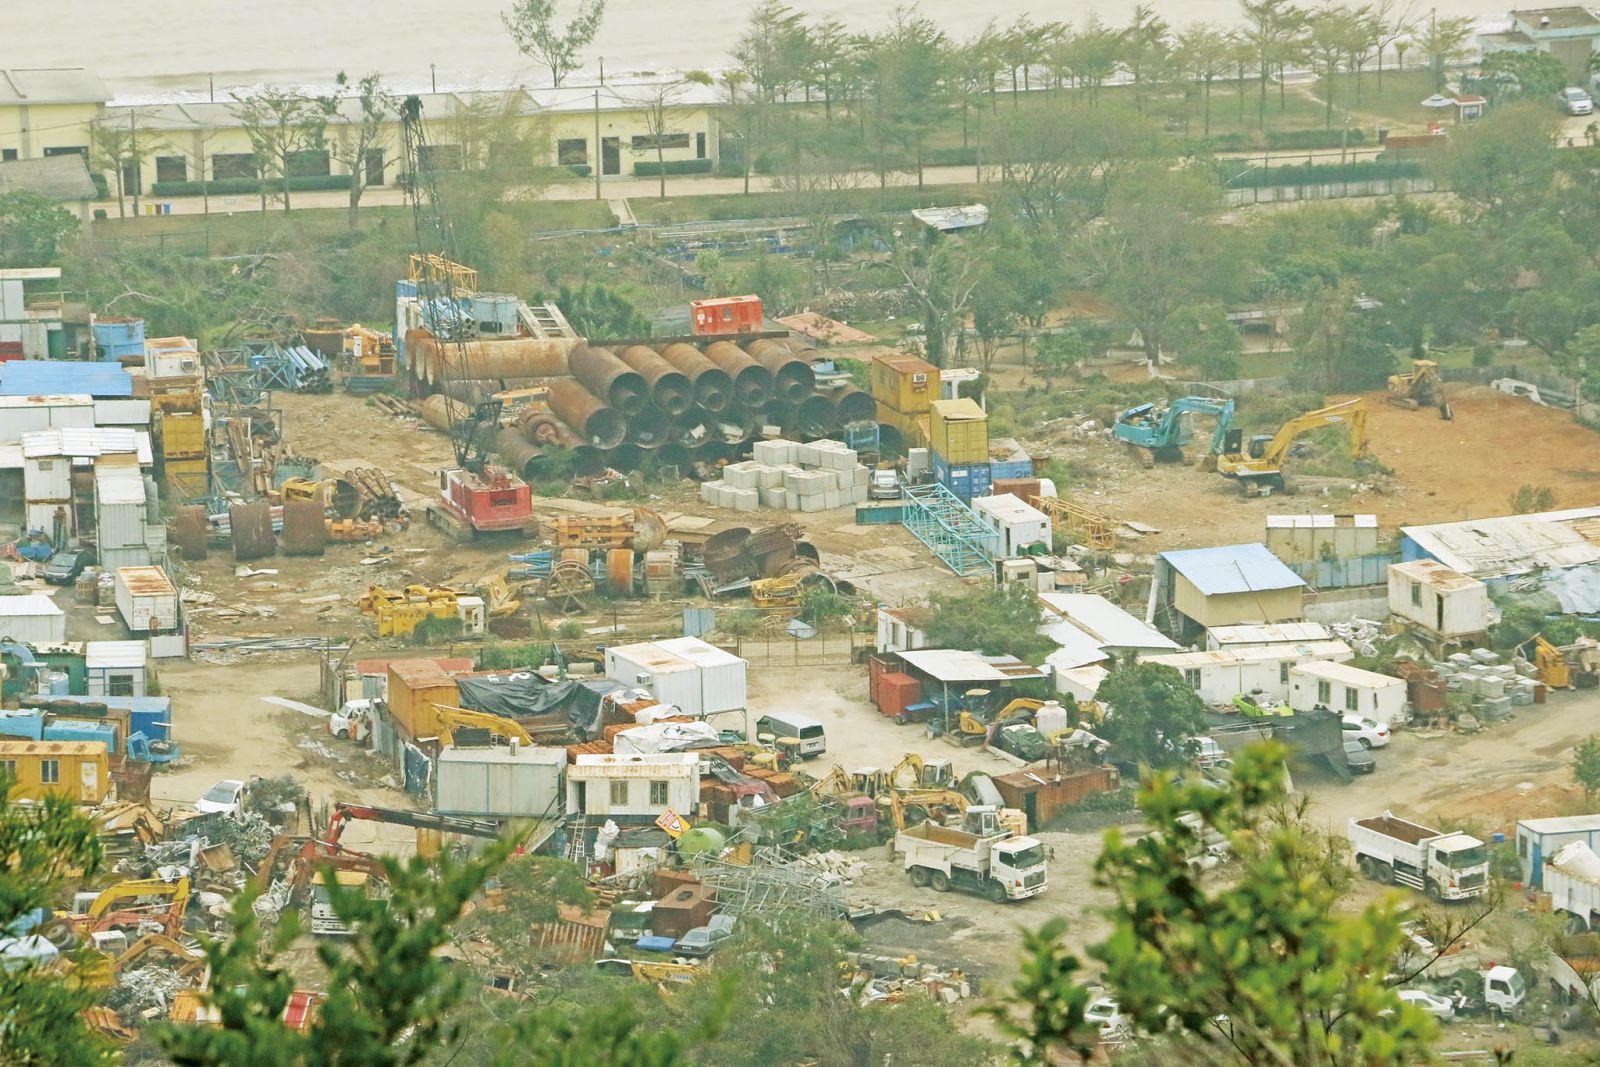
{"x": 1351, "y": 413}
{"x": 452, "y": 717}
{"x": 420, "y": 820}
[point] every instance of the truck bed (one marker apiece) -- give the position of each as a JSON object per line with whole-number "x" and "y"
{"x": 943, "y": 835}
{"x": 1399, "y": 829}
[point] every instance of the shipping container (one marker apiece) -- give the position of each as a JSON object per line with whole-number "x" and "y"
{"x": 897, "y": 692}
{"x": 1024, "y": 489}
{"x": 697, "y": 678}
{"x": 1438, "y": 598}
{"x": 633, "y": 788}
{"x": 146, "y": 599}
{"x": 905, "y": 384}
{"x": 77, "y": 770}
{"x": 120, "y": 509}
{"x": 725, "y": 315}
{"x": 32, "y": 620}
{"x": 959, "y": 431}
{"x": 1011, "y": 469}
{"x": 24, "y": 414}
{"x": 183, "y": 435}
{"x": 683, "y": 909}
{"x": 913, "y": 428}
{"x": 116, "y": 338}
{"x": 499, "y": 781}
{"x": 132, "y": 413}
{"x": 1041, "y": 795}
{"x": 115, "y": 668}
{"x": 171, "y": 357}
{"x": 130, "y": 556}
{"x": 1021, "y": 527}
{"x": 415, "y": 686}
{"x": 964, "y": 480}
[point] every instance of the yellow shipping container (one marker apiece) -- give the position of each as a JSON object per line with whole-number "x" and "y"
{"x": 183, "y": 436}
{"x": 77, "y": 770}
{"x": 908, "y": 384}
{"x": 913, "y": 429}
{"x": 959, "y": 431}
{"x": 415, "y": 686}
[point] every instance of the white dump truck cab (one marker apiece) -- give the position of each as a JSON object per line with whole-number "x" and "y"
{"x": 1019, "y": 865}
{"x": 1458, "y": 864}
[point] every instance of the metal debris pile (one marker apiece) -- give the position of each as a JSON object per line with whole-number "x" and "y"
{"x": 892, "y": 979}
{"x": 143, "y": 994}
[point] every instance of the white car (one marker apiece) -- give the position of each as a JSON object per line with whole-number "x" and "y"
{"x": 1369, "y": 732}
{"x": 1437, "y": 1006}
{"x": 1104, "y": 1013}
{"x": 223, "y": 798}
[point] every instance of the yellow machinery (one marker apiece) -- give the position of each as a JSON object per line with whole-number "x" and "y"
{"x": 1420, "y": 386}
{"x": 1097, "y": 530}
{"x": 110, "y": 898}
{"x": 781, "y": 593}
{"x": 914, "y": 772}
{"x": 190, "y": 963}
{"x": 908, "y": 807}
{"x": 371, "y": 354}
{"x": 451, "y": 719}
{"x": 398, "y": 613}
{"x": 336, "y": 493}
{"x": 642, "y": 530}
{"x": 1551, "y": 663}
{"x": 1259, "y": 469}
{"x": 427, "y": 267}
{"x": 835, "y": 783}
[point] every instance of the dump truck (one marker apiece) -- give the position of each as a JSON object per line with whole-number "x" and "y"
{"x": 1445, "y": 866}
{"x": 1572, "y": 878}
{"x": 980, "y": 857}
{"x": 1460, "y": 972}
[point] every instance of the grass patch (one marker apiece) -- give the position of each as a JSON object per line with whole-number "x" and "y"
{"x": 676, "y": 209}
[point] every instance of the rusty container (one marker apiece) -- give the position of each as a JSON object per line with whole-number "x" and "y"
{"x": 670, "y": 389}
{"x": 587, "y": 415}
{"x": 604, "y": 375}
{"x": 619, "y": 571}
{"x": 305, "y": 529}
{"x": 752, "y": 383}
{"x": 792, "y": 377}
{"x": 251, "y": 528}
{"x": 713, "y": 388}
{"x": 191, "y": 532}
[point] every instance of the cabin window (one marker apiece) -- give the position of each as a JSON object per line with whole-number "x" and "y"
{"x": 619, "y": 793}
{"x": 1352, "y": 699}
{"x": 1416, "y": 595}
{"x": 49, "y": 771}
{"x": 572, "y": 152}
{"x": 658, "y": 794}
{"x": 119, "y": 685}
{"x": 1324, "y": 692}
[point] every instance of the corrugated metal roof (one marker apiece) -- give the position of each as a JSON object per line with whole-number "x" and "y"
{"x": 1435, "y": 575}
{"x": 1270, "y": 634}
{"x": 81, "y": 442}
{"x": 1346, "y": 674}
{"x": 1565, "y": 824}
{"x": 27, "y": 607}
{"x": 653, "y": 765}
{"x": 1105, "y": 622}
{"x": 1076, "y": 648}
{"x": 64, "y": 177}
{"x": 145, "y": 581}
{"x": 955, "y": 665}
{"x": 115, "y": 654}
{"x": 1227, "y": 569}
{"x": 34, "y": 377}
{"x": 1311, "y": 650}
{"x": 1512, "y": 544}
{"x": 1320, "y": 522}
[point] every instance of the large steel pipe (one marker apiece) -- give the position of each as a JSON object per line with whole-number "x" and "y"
{"x": 752, "y": 383}
{"x": 713, "y": 452}
{"x": 649, "y": 428}
{"x": 815, "y": 416}
{"x": 588, "y": 462}
{"x": 580, "y": 409}
{"x": 854, "y": 405}
{"x": 792, "y": 377}
{"x": 669, "y": 387}
{"x": 692, "y": 427}
{"x": 471, "y": 391}
{"x": 604, "y": 375}
{"x": 440, "y": 412}
{"x": 777, "y": 413}
{"x": 520, "y": 454}
{"x": 511, "y": 357}
{"x": 673, "y": 455}
{"x": 543, "y": 428}
{"x": 713, "y": 388}
{"x": 732, "y": 426}
{"x": 625, "y": 457}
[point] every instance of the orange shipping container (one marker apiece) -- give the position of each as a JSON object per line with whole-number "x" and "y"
{"x": 415, "y": 686}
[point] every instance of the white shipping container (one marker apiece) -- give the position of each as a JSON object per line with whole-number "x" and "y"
{"x": 699, "y": 679}
{"x": 120, "y": 506}
{"x": 33, "y": 620}
{"x": 722, "y": 674}
{"x": 122, "y": 412}
{"x": 146, "y": 599}
{"x": 24, "y": 414}
{"x": 129, "y": 556}
{"x": 499, "y": 781}
{"x": 46, "y": 478}
{"x": 1018, "y": 524}
{"x": 1441, "y": 599}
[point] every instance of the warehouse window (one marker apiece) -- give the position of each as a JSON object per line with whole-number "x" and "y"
{"x": 650, "y": 142}
{"x": 233, "y": 165}
{"x": 1416, "y": 594}
{"x": 49, "y": 771}
{"x": 119, "y": 685}
{"x": 619, "y": 793}
{"x": 658, "y": 794}
{"x": 69, "y": 150}
{"x": 1324, "y": 693}
{"x": 8, "y": 155}
{"x": 572, "y": 152}
{"x": 309, "y": 163}
{"x": 1191, "y": 677}
{"x": 1352, "y": 699}
{"x": 700, "y": 146}
{"x": 8, "y": 767}
{"x": 1283, "y": 673}
{"x": 172, "y": 169}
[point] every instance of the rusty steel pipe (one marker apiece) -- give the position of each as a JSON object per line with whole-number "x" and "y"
{"x": 670, "y": 389}
{"x": 625, "y": 457}
{"x": 649, "y": 428}
{"x": 543, "y": 428}
{"x": 854, "y": 405}
{"x": 604, "y": 375}
{"x": 440, "y": 412}
{"x": 792, "y": 377}
{"x": 692, "y": 427}
{"x": 733, "y": 426}
{"x": 588, "y": 461}
{"x": 752, "y": 383}
{"x": 471, "y": 391}
{"x": 588, "y": 417}
{"x": 674, "y": 455}
{"x": 713, "y": 388}
{"x": 815, "y": 415}
{"x": 509, "y": 357}
{"x": 521, "y": 455}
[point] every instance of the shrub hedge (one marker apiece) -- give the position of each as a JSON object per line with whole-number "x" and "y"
{"x": 643, "y": 169}
{"x": 235, "y": 186}
{"x": 1322, "y": 173}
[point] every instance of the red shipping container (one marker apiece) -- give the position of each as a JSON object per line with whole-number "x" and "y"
{"x": 896, "y": 692}
{"x": 725, "y": 315}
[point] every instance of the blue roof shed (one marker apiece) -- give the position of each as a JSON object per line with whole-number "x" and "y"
{"x": 1229, "y": 585}
{"x": 43, "y": 377}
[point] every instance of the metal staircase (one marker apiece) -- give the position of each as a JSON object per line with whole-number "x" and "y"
{"x": 937, "y": 517}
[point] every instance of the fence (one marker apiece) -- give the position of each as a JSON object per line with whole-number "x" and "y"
{"x": 1275, "y": 194}
{"x": 824, "y": 650}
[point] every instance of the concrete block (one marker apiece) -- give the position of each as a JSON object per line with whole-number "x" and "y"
{"x": 771, "y": 497}
{"x": 769, "y": 477}
{"x": 1484, "y": 655}
{"x": 805, "y": 455}
{"x": 774, "y": 453}
{"x": 808, "y": 483}
{"x": 742, "y": 499}
{"x": 831, "y": 499}
{"x": 708, "y": 490}
{"x": 744, "y": 475}
{"x": 858, "y": 494}
{"x": 791, "y": 499}
{"x": 861, "y": 474}
{"x": 812, "y": 503}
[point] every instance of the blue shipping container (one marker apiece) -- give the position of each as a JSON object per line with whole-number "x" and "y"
{"x": 965, "y": 480}
{"x": 151, "y": 716}
{"x": 25, "y": 724}
{"x": 118, "y": 338}
{"x": 78, "y": 730}
{"x": 1014, "y": 468}
{"x": 39, "y": 377}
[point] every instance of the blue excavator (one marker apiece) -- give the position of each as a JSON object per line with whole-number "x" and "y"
{"x": 1162, "y": 432}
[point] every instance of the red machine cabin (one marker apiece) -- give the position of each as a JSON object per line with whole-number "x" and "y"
{"x": 496, "y": 500}
{"x": 725, "y": 315}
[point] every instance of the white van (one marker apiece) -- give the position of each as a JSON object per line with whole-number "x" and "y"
{"x": 801, "y": 731}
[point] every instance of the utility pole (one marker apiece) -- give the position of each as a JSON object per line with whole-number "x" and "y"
{"x": 133, "y": 156}
{"x": 433, "y": 77}
{"x": 599, "y": 156}
{"x": 211, "y": 86}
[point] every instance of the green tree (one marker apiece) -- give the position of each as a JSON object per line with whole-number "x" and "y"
{"x": 123, "y": 150}
{"x": 999, "y": 621}
{"x": 941, "y": 273}
{"x": 532, "y": 25}
{"x": 1339, "y": 344}
{"x": 1270, "y": 35}
{"x": 32, "y": 229}
{"x": 1060, "y": 351}
{"x": 356, "y": 136}
{"x": 1586, "y": 767}
{"x": 1260, "y": 967}
{"x": 1205, "y": 53}
{"x": 43, "y": 846}
{"x": 1530, "y": 499}
{"x": 1152, "y": 714}
{"x": 1059, "y": 162}
{"x": 280, "y": 125}
{"x": 657, "y": 107}
{"x": 907, "y": 68}
{"x": 1443, "y": 41}
{"x": 1201, "y": 336}
{"x": 1535, "y": 76}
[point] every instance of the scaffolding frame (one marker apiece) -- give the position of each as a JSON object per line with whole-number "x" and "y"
{"x": 951, "y": 530}
{"x": 1097, "y": 530}
{"x": 770, "y": 886}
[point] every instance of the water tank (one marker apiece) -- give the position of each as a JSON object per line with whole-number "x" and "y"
{"x": 701, "y": 839}
{"x": 1051, "y": 719}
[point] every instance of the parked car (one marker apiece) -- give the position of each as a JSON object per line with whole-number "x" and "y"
{"x": 65, "y": 566}
{"x": 1207, "y": 753}
{"x": 703, "y": 940}
{"x": 1105, "y": 1014}
{"x": 885, "y": 485}
{"x": 1369, "y": 732}
{"x": 1437, "y": 1006}
{"x": 224, "y": 798}
{"x": 1574, "y": 101}
{"x": 1358, "y": 758}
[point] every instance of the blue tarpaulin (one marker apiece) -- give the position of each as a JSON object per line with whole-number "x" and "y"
{"x": 45, "y": 377}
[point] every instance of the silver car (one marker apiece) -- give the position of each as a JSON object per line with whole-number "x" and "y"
{"x": 1574, "y": 101}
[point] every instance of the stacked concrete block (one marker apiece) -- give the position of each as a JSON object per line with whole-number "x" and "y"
{"x": 774, "y": 453}
{"x": 771, "y": 497}
{"x": 741, "y": 499}
{"x": 742, "y": 475}
{"x": 861, "y": 475}
{"x": 797, "y": 477}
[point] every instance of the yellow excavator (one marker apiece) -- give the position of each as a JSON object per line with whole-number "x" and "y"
{"x": 909, "y": 807}
{"x": 1258, "y": 467}
{"x": 452, "y": 719}
{"x": 1420, "y": 386}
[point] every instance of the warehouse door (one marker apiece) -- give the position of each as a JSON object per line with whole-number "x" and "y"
{"x": 610, "y": 155}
